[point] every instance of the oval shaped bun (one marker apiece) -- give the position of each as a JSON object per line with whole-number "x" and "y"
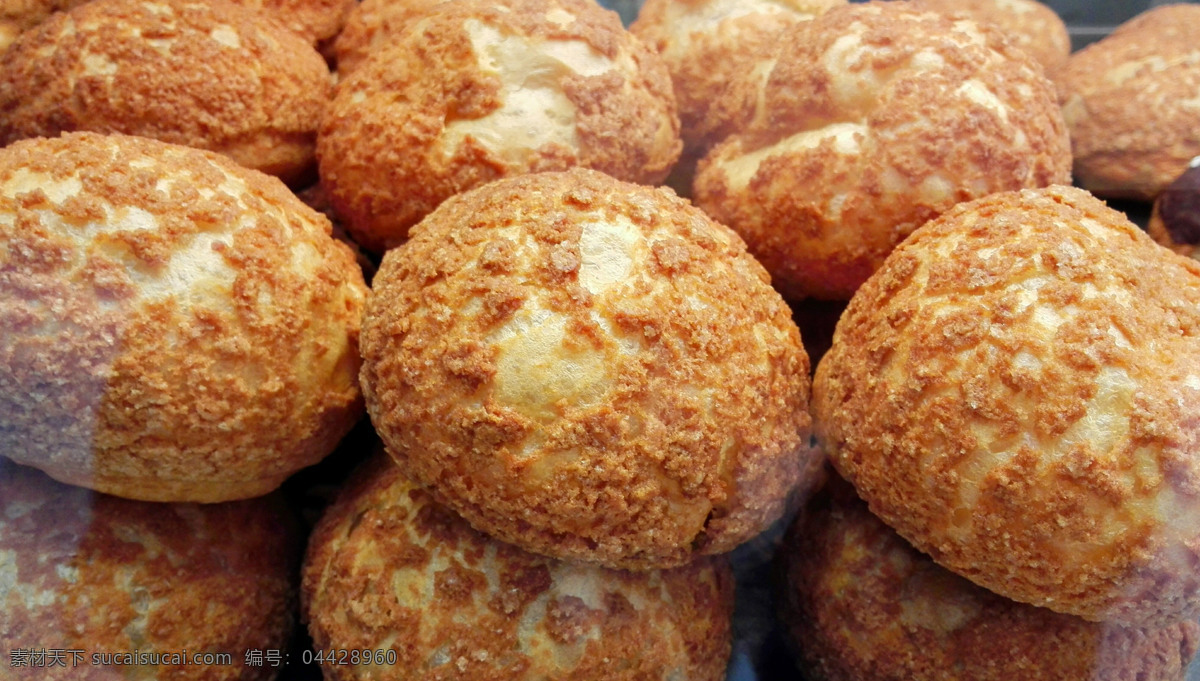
{"x": 374, "y": 24}
{"x": 317, "y": 21}
{"x": 1129, "y": 103}
{"x": 202, "y": 73}
{"x": 705, "y": 42}
{"x": 873, "y": 119}
{"x": 100, "y": 575}
{"x": 588, "y": 369}
{"x": 1030, "y": 25}
{"x": 843, "y": 568}
{"x": 478, "y": 91}
{"x": 173, "y": 327}
{"x": 1014, "y": 392}
{"x": 458, "y": 604}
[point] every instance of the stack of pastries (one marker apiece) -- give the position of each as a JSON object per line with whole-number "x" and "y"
{"x": 233, "y": 233}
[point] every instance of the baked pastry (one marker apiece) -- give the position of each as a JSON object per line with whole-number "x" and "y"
{"x": 21, "y": 15}
{"x": 705, "y": 42}
{"x": 1128, "y": 100}
{"x": 480, "y": 91}
{"x": 875, "y": 118}
{"x": 1175, "y": 217}
{"x": 315, "y": 20}
{"x": 373, "y": 24}
{"x": 173, "y": 327}
{"x": 1033, "y": 26}
{"x": 1014, "y": 391}
{"x": 101, "y": 588}
{"x": 392, "y": 572}
{"x": 858, "y": 603}
{"x": 588, "y": 369}
{"x": 202, "y": 73}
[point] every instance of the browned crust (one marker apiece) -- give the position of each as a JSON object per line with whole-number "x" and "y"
{"x": 1031, "y": 25}
{"x": 99, "y": 574}
{"x": 112, "y": 377}
{"x": 21, "y": 15}
{"x": 373, "y": 24}
{"x": 1125, "y": 101}
{"x": 382, "y": 149}
{"x": 860, "y": 604}
{"x": 923, "y": 93}
{"x": 706, "y": 52}
{"x": 389, "y": 569}
{"x": 1013, "y": 393}
{"x": 683, "y": 427}
{"x": 154, "y": 68}
{"x": 317, "y": 21}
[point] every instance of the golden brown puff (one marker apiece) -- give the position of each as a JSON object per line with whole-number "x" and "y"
{"x": 589, "y": 369}
{"x": 21, "y": 15}
{"x": 202, "y": 73}
{"x": 388, "y": 569}
{"x": 373, "y": 24}
{"x": 173, "y": 327}
{"x": 860, "y": 604}
{"x": 103, "y": 576}
{"x": 1130, "y": 104}
{"x": 1033, "y": 26}
{"x": 1015, "y": 392}
{"x": 317, "y": 21}
{"x": 874, "y": 119}
{"x": 705, "y": 42}
{"x": 1175, "y": 216}
{"x": 478, "y": 91}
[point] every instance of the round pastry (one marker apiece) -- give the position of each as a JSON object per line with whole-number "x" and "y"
{"x": 874, "y": 119}
{"x": 317, "y": 21}
{"x": 478, "y": 91}
{"x": 588, "y": 369}
{"x": 373, "y": 24}
{"x": 1031, "y": 25}
{"x": 103, "y": 588}
{"x": 1129, "y": 102}
{"x": 1175, "y": 218}
{"x": 173, "y": 327}
{"x": 705, "y": 42}
{"x": 16, "y": 17}
{"x": 210, "y": 75}
{"x": 1013, "y": 392}
{"x": 860, "y": 604}
{"x": 455, "y": 603}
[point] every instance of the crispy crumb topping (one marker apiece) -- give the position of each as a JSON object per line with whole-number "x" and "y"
{"x": 172, "y": 326}
{"x": 94, "y": 573}
{"x": 476, "y": 91}
{"x": 862, "y": 605}
{"x": 389, "y": 568}
{"x": 705, "y": 43}
{"x": 872, "y": 119}
{"x": 1014, "y": 392}
{"x": 589, "y": 369}
{"x": 206, "y": 74}
{"x": 1030, "y": 25}
{"x": 1130, "y": 102}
